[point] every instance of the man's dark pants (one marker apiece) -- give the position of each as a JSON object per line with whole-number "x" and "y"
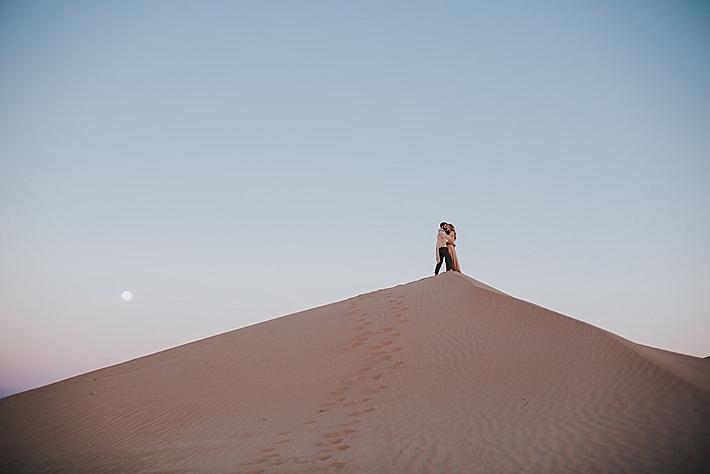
{"x": 444, "y": 255}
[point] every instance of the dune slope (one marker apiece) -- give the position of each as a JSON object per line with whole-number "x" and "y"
{"x": 441, "y": 375}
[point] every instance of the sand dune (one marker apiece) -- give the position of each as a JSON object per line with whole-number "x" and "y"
{"x": 442, "y": 375}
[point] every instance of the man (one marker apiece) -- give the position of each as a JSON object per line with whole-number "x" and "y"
{"x": 442, "y": 253}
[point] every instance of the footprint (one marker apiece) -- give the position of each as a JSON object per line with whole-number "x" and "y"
{"x": 284, "y": 432}
{"x": 362, "y": 412}
{"x": 342, "y": 447}
{"x": 282, "y": 441}
{"x": 384, "y": 357}
{"x": 374, "y": 348}
{"x": 267, "y": 450}
{"x": 309, "y": 422}
{"x": 341, "y": 390}
{"x": 397, "y": 349}
{"x": 324, "y": 457}
{"x": 376, "y": 377}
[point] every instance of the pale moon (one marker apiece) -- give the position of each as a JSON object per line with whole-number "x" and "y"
{"x": 126, "y": 295}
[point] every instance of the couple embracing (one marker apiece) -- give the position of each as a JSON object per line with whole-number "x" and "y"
{"x": 445, "y": 251}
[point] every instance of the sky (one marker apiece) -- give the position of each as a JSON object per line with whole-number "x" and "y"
{"x": 230, "y": 162}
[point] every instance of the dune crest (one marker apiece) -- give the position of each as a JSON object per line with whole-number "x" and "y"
{"x": 441, "y": 375}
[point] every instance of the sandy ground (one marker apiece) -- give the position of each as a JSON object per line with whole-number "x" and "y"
{"x": 441, "y": 375}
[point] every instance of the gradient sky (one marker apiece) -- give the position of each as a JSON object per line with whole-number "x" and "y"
{"x": 232, "y": 162}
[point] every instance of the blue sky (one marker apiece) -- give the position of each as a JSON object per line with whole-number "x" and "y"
{"x": 232, "y": 162}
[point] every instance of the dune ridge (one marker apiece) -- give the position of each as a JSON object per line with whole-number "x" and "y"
{"x": 440, "y": 375}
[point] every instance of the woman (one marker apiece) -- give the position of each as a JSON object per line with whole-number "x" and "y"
{"x": 452, "y": 249}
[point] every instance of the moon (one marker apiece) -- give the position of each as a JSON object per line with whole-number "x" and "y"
{"x": 127, "y": 296}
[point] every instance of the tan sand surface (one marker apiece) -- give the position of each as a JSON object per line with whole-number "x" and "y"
{"x": 441, "y": 375}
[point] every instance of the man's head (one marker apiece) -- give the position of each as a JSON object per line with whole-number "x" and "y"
{"x": 443, "y": 225}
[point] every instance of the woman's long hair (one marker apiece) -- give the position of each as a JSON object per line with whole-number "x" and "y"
{"x": 453, "y": 229}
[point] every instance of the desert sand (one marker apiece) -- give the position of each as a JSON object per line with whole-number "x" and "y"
{"x": 441, "y": 375}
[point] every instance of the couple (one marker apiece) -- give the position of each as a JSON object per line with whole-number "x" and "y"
{"x": 445, "y": 243}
